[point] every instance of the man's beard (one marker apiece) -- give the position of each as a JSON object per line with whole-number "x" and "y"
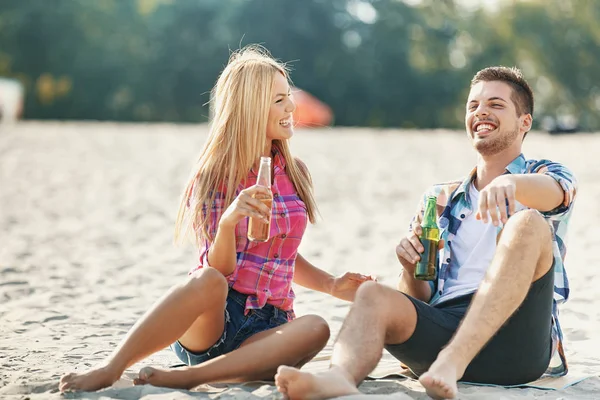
{"x": 502, "y": 141}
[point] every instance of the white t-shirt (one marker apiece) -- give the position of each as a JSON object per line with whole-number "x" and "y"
{"x": 473, "y": 248}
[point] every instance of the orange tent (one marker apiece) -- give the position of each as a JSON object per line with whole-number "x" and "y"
{"x": 310, "y": 112}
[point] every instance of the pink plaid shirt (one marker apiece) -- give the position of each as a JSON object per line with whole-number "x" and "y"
{"x": 265, "y": 270}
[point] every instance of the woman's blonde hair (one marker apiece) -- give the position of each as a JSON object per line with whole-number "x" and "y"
{"x": 240, "y": 104}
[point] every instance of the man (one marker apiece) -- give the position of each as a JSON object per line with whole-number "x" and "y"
{"x": 491, "y": 316}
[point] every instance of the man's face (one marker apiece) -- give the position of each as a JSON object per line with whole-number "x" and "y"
{"x": 491, "y": 118}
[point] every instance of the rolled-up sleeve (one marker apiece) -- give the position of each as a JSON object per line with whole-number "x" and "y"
{"x": 564, "y": 177}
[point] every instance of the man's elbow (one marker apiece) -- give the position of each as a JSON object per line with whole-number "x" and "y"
{"x": 552, "y": 202}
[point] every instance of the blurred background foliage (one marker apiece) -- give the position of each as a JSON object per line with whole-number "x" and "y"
{"x": 378, "y": 63}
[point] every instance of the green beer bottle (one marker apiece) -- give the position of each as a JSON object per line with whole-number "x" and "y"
{"x": 427, "y": 267}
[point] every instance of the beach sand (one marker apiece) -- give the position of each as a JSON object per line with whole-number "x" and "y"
{"x": 86, "y": 221}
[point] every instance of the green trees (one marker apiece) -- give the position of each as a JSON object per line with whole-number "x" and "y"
{"x": 376, "y": 63}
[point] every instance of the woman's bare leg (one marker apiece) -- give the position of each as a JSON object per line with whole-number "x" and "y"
{"x": 294, "y": 343}
{"x": 192, "y": 312}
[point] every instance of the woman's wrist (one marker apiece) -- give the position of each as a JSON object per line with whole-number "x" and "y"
{"x": 226, "y": 225}
{"x": 330, "y": 284}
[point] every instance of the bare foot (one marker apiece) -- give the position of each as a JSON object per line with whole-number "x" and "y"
{"x": 177, "y": 378}
{"x": 296, "y": 384}
{"x": 96, "y": 379}
{"x": 440, "y": 380}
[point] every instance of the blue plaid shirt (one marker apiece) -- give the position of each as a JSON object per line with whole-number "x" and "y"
{"x": 453, "y": 207}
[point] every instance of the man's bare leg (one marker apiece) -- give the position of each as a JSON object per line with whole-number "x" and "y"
{"x": 379, "y": 315}
{"x": 523, "y": 255}
{"x": 192, "y": 312}
{"x": 257, "y": 358}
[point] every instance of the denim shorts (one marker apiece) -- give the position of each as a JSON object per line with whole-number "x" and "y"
{"x": 238, "y": 328}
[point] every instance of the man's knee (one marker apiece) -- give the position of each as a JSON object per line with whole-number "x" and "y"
{"x": 371, "y": 293}
{"x": 530, "y": 225}
{"x": 529, "y": 229}
{"x": 396, "y": 312}
{"x": 383, "y": 297}
{"x": 529, "y": 220}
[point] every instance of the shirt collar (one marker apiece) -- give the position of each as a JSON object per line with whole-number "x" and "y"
{"x": 516, "y": 166}
{"x": 277, "y": 161}
{"x": 464, "y": 186}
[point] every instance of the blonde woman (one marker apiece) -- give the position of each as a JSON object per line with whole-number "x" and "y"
{"x": 232, "y": 320}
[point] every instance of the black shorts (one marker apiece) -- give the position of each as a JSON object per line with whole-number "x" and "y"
{"x": 519, "y": 353}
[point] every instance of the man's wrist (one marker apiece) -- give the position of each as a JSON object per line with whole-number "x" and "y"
{"x": 407, "y": 276}
{"x": 515, "y": 179}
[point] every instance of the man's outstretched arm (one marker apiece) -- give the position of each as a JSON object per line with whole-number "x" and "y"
{"x": 549, "y": 188}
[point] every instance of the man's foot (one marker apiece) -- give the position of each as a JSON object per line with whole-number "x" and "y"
{"x": 177, "y": 378}
{"x": 93, "y": 380}
{"x": 295, "y": 384}
{"x": 440, "y": 380}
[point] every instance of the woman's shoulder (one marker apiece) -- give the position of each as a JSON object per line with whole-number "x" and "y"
{"x": 303, "y": 169}
{"x": 281, "y": 158}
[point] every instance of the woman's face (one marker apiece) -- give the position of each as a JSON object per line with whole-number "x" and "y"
{"x": 280, "y": 124}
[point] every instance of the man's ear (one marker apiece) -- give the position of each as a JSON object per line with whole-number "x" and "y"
{"x": 526, "y": 121}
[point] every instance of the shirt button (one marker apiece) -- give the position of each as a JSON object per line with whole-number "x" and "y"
{"x": 449, "y": 242}
{"x": 283, "y": 236}
{"x": 276, "y": 255}
{"x": 282, "y": 214}
{"x": 440, "y": 292}
{"x": 462, "y": 215}
{"x": 447, "y": 260}
{"x": 275, "y": 195}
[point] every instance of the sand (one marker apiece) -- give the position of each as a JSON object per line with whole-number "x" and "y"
{"x": 86, "y": 222}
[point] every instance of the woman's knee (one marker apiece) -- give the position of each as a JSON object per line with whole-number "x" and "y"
{"x": 208, "y": 281}
{"x": 317, "y": 329}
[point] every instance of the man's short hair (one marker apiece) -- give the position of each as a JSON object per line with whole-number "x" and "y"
{"x": 522, "y": 95}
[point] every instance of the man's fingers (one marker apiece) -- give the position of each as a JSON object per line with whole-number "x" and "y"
{"x": 492, "y": 206}
{"x": 410, "y": 253}
{"x": 417, "y": 230}
{"x": 501, "y": 201}
{"x": 511, "y": 197}
{"x": 482, "y": 208}
{"x": 416, "y": 243}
